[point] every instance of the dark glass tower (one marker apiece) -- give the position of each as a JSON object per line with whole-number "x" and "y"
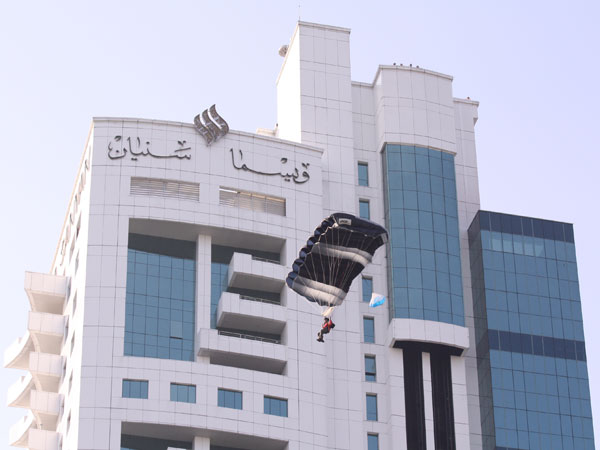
{"x": 533, "y": 380}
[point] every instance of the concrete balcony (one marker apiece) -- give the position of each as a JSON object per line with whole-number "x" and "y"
{"x": 47, "y": 331}
{"x": 252, "y": 314}
{"x": 46, "y": 370}
{"x": 46, "y": 293}
{"x": 19, "y": 393}
{"x": 16, "y": 356}
{"x": 243, "y": 351}
{"x": 43, "y": 439}
{"x": 26, "y": 434}
{"x": 18, "y": 434}
{"x": 45, "y": 407}
{"x": 248, "y": 272}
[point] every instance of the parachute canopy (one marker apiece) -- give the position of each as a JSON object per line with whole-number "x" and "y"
{"x": 340, "y": 248}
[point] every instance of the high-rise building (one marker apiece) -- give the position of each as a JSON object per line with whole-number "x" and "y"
{"x": 165, "y": 321}
{"x": 533, "y": 382}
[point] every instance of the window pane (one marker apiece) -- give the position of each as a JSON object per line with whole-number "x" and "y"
{"x": 367, "y": 289}
{"x": 373, "y": 442}
{"x": 370, "y": 369}
{"x": 157, "y": 294}
{"x": 229, "y": 399}
{"x": 369, "y": 329}
{"x": 371, "y": 407}
{"x": 135, "y": 389}
{"x": 363, "y": 206}
{"x": 275, "y": 406}
{"x": 363, "y": 174}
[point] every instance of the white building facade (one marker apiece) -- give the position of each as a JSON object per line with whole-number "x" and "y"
{"x": 166, "y": 323}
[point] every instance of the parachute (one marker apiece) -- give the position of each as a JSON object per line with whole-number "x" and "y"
{"x": 340, "y": 248}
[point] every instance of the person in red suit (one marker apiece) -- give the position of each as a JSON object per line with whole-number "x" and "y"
{"x": 328, "y": 325}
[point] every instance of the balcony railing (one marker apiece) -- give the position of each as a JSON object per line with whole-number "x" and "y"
{"x": 249, "y": 336}
{"x": 258, "y": 299}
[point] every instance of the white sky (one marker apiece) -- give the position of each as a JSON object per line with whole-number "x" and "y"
{"x": 534, "y": 67}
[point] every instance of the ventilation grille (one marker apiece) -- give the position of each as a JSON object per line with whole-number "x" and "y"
{"x": 252, "y": 201}
{"x": 165, "y": 188}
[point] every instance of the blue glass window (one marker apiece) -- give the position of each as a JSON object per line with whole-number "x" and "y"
{"x": 364, "y": 210}
{"x": 370, "y": 368}
{"x": 367, "y": 289}
{"x": 369, "y": 329}
{"x": 371, "y": 407}
{"x": 160, "y": 298}
{"x": 183, "y": 393}
{"x": 363, "y": 174}
{"x": 229, "y": 399}
{"x": 135, "y": 389}
{"x": 422, "y": 217}
{"x": 276, "y": 406}
{"x": 372, "y": 441}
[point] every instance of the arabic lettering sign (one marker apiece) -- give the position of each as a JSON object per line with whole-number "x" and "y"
{"x": 211, "y": 125}
{"x": 286, "y": 172}
{"x": 120, "y": 147}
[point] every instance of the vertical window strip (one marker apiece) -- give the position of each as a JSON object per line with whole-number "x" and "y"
{"x": 372, "y": 441}
{"x": 367, "y": 289}
{"x": 414, "y": 399}
{"x": 364, "y": 209}
{"x": 363, "y": 174}
{"x": 372, "y": 407}
{"x": 370, "y": 368}
{"x": 443, "y": 406}
{"x": 369, "y": 329}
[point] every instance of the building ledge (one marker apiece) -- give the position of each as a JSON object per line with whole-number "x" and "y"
{"x": 46, "y": 293}
{"x": 243, "y": 313}
{"x": 19, "y": 393}
{"x": 427, "y": 332}
{"x": 16, "y": 356}
{"x": 233, "y": 350}
{"x": 47, "y": 331}
{"x": 248, "y": 272}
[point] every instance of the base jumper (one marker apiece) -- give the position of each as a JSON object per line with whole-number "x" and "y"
{"x": 328, "y": 325}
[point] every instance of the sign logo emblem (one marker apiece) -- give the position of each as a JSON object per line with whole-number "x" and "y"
{"x": 211, "y": 125}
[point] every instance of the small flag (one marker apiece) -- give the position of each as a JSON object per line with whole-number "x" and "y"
{"x": 376, "y": 300}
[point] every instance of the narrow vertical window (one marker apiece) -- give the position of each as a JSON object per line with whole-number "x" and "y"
{"x": 369, "y": 329}
{"x": 372, "y": 407}
{"x": 364, "y": 210}
{"x": 363, "y": 174}
{"x": 372, "y": 441}
{"x": 370, "y": 368}
{"x": 367, "y": 289}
